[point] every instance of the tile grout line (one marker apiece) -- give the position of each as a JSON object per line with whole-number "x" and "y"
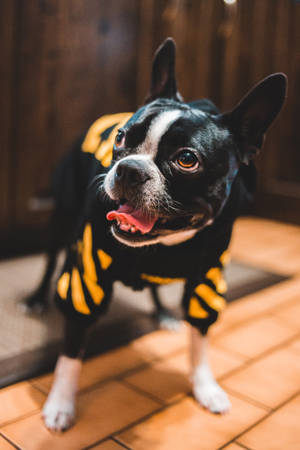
{"x": 142, "y": 419}
{"x": 9, "y": 441}
{"x": 148, "y": 416}
{"x": 255, "y": 359}
{"x": 252, "y": 319}
{"x": 143, "y": 366}
{"x": 118, "y": 377}
{"x": 142, "y": 392}
{"x": 121, "y": 443}
{"x": 160, "y": 409}
{"x": 95, "y": 385}
{"x": 250, "y": 400}
{"x": 243, "y": 446}
{"x": 281, "y": 405}
{"x": 167, "y": 406}
{"x": 276, "y": 314}
{"x": 112, "y": 438}
{"x": 258, "y": 315}
{"x": 132, "y": 424}
{"x": 233, "y": 441}
{"x": 38, "y": 388}
{"x": 23, "y": 416}
{"x": 231, "y": 352}
{"x": 150, "y": 364}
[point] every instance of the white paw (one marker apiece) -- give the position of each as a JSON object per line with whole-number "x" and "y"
{"x": 58, "y": 415}
{"x": 170, "y": 323}
{"x": 212, "y": 397}
{"x": 31, "y": 310}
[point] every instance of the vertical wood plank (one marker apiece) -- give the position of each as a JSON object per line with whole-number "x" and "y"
{"x": 77, "y": 61}
{"x": 7, "y": 67}
{"x": 144, "y": 48}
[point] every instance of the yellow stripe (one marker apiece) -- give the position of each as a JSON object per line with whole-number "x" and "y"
{"x": 90, "y": 273}
{"x": 104, "y": 152}
{"x": 63, "y": 285}
{"x": 215, "y": 275}
{"x": 95, "y": 290}
{"x": 106, "y": 160}
{"x": 225, "y": 258}
{"x": 106, "y": 145}
{"x": 104, "y": 258}
{"x": 160, "y": 280}
{"x": 196, "y": 310}
{"x": 87, "y": 256}
{"x": 92, "y": 139}
{"x": 213, "y": 300}
{"x": 78, "y": 298}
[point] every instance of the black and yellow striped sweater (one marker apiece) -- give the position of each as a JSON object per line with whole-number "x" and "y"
{"x": 95, "y": 259}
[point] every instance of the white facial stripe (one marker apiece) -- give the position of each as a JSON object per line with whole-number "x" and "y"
{"x": 134, "y": 157}
{"x": 157, "y": 129}
{"x": 198, "y": 112}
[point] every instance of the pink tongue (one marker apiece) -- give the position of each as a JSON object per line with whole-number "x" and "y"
{"x": 127, "y": 214}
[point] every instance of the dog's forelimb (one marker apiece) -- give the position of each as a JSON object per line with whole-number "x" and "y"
{"x": 206, "y": 390}
{"x": 156, "y": 300}
{"x": 60, "y": 408}
{"x": 166, "y": 319}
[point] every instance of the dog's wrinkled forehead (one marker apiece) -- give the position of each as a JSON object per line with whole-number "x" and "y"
{"x": 172, "y": 124}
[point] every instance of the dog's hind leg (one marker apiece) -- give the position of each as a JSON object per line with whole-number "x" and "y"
{"x": 165, "y": 317}
{"x": 60, "y": 408}
{"x": 59, "y": 227}
{"x": 37, "y": 301}
{"x": 206, "y": 390}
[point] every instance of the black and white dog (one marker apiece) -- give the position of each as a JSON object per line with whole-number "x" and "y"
{"x": 154, "y": 195}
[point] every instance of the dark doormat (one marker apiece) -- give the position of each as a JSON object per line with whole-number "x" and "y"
{"x": 30, "y": 345}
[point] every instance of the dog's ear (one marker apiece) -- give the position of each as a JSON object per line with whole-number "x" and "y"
{"x": 163, "y": 79}
{"x": 253, "y": 115}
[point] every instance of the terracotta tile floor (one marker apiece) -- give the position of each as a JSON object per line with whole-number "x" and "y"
{"x": 138, "y": 397}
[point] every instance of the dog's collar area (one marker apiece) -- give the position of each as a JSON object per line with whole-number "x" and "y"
{"x": 168, "y": 240}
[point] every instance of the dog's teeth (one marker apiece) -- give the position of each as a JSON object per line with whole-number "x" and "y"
{"x": 125, "y": 226}
{"x": 133, "y": 229}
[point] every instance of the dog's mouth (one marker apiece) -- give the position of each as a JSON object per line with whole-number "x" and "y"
{"x": 131, "y": 220}
{"x": 134, "y": 225}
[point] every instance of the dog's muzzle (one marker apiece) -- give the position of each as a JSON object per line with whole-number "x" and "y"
{"x": 130, "y": 174}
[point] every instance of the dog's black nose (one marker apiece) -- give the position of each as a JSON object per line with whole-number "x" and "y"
{"x": 131, "y": 172}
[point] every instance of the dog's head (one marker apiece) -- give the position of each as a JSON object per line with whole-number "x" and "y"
{"x": 174, "y": 163}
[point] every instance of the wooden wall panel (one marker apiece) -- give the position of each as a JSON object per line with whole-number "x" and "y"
{"x": 7, "y": 46}
{"x": 67, "y": 62}
{"x": 75, "y": 63}
{"x": 265, "y": 38}
{"x": 195, "y": 26}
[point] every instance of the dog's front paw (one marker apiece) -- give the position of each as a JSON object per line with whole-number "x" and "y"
{"x": 58, "y": 415}
{"x": 35, "y": 304}
{"x": 211, "y": 396}
{"x": 168, "y": 322}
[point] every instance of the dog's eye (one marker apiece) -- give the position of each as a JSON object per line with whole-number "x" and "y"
{"x": 120, "y": 138}
{"x": 187, "y": 160}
